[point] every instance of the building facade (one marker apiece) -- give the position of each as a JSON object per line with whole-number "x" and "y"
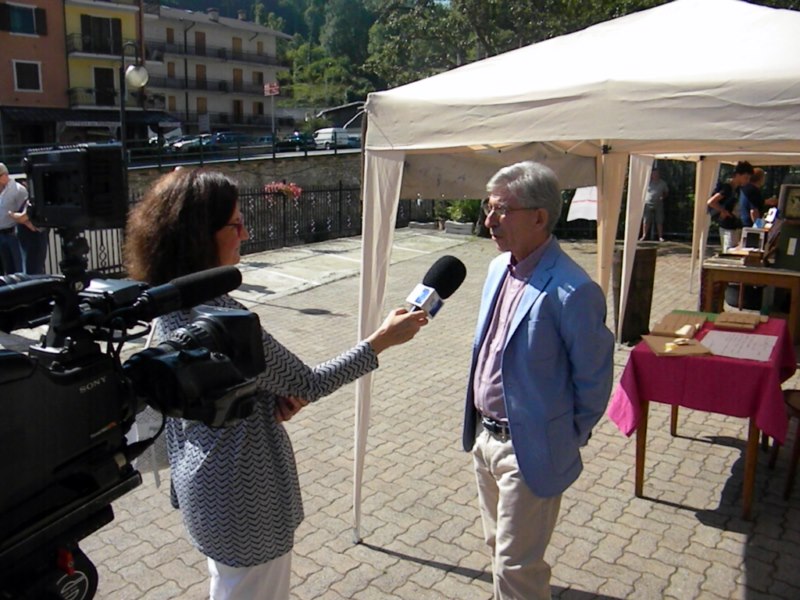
{"x": 62, "y": 64}
{"x": 213, "y": 70}
{"x": 33, "y": 70}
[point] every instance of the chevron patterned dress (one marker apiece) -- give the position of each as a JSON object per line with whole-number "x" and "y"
{"x": 237, "y": 487}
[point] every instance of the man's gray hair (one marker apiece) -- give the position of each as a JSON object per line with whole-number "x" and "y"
{"x": 534, "y": 185}
{"x": 3, "y": 169}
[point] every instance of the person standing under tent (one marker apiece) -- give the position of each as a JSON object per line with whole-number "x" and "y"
{"x": 540, "y": 378}
{"x": 722, "y": 205}
{"x": 657, "y": 192}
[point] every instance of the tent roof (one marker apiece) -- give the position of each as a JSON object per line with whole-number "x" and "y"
{"x": 657, "y": 81}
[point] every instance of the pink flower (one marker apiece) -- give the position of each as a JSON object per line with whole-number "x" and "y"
{"x": 290, "y": 190}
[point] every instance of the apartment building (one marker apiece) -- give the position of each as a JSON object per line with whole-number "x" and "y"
{"x": 33, "y": 70}
{"x": 103, "y": 37}
{"x": 62, "y": 60}
{"x": 212, "y": 70}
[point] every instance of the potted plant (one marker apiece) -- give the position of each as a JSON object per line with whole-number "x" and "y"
{"x": 462, "y": 216}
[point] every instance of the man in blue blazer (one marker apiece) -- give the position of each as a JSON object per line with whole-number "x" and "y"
{"x": 540, "y": 378}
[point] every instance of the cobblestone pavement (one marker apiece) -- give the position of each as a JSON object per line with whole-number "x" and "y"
{"x": 421, "y": 529}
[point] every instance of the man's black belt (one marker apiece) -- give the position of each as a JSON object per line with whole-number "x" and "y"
{"x": 7, "y": 230}
{"x": 501, "y": 430}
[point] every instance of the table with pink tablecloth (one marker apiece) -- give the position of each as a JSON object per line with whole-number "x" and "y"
{"x": 729, "y": 386}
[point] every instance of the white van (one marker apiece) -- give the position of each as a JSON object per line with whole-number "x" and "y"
{"x": 331, "y": 137}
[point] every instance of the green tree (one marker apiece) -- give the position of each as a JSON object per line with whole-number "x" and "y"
{"x": 412, "y": 39}
{"x": 314, "y": 17}
{"x": 346, "y": 30}
{"x": 320, "y": 80}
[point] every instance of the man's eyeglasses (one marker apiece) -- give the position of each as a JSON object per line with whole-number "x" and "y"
{"x": 239, "y": 227}
{"x": 501, "y": 211}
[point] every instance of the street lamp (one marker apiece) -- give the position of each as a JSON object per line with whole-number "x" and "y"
{"x": 136, "y": 77}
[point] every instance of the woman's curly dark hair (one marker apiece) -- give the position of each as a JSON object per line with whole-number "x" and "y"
{"x": 170, "y": 232}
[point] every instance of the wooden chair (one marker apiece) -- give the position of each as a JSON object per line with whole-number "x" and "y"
{"x": 792, "y": 400}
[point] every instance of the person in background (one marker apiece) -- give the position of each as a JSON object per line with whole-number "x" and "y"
{"x": 657, "y": 192}
{"x": 237, "y": 487}
{"x": 722, "y": 205}
{"x": 12, "y": 198}
{"x": 539, "y": 381}
{"x": 752, "y": 206}
{"x": 33, "y": 241}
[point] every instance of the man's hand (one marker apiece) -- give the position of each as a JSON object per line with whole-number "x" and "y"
{"x": 23, "y": 219}
{"x": 287, "y": 407}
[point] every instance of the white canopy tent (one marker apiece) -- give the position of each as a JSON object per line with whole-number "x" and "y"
{"x": 702, "y": 80}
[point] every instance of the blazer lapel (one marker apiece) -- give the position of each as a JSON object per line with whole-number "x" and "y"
{"x": 538, "y": 281}
{"x": 491, "y": 290}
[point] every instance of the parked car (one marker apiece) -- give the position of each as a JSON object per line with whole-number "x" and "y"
{"x": 331, "y": 137}
{"x": 295, "y": 142}
{"x": 193, "y": 143}
{"x": 354, "y": 140}
{"x": 176, "y": 144}
{"x": 263, "y": 143}
{"x": 231, "y": 138}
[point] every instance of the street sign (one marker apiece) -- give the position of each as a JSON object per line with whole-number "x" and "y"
{"x": 272, "y": 89}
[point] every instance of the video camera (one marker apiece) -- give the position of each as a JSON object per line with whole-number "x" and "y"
{"x": 68, "y": 403}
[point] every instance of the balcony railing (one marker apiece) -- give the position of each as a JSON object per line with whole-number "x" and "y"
{"x": 87, "y": 44}
{"x": 211, "y": 85}
{"x": 109, "y": 97}
{"x": 125, "y": 2}
{"x": 157, "y": 48}
{"x": 218, "y": 119}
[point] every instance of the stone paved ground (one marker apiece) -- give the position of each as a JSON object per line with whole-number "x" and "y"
{"x": 421, "y": 530}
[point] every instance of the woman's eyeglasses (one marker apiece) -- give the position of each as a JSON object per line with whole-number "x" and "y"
{"x": 239, "y": 225}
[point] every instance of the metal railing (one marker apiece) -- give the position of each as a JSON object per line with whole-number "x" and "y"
{"x": 278, "y": 221}
{"x": 88, "y": 44}
{"x": 213, "y": 85}
{"x": 156, "y": 49}
{"x": 109, "y": 98}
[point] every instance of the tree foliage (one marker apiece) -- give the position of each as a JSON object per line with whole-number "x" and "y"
{"x": 343, "y": 49}
{"x": 415, "y": 39}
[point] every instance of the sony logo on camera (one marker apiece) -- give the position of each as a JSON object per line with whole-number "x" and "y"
{"x": 88, "y": 387}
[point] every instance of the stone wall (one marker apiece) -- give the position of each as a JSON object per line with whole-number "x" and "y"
{"x": 314, "y": 170}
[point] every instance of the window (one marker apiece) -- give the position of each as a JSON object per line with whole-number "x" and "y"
{"x": 23, "y": 19}
{"x": 26, "y": 76}
{"x": 101, "y": 35}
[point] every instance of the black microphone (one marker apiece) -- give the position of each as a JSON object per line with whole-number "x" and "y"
{"x": 25, "y": 299}
{"x": 442, "y": 279}
{"x": 20, "y": 290}
{"x": 187, "y": 291}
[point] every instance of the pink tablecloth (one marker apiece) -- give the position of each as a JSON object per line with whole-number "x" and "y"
{"x": 728, "y": 386}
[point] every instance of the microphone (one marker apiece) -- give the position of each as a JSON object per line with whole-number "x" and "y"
{"x": 187, "y": 291}
{"x": 442, "y": 279}
{"x": 25, "y": 299}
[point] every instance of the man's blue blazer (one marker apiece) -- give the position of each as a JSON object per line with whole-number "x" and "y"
{"x": 557, "y": 368}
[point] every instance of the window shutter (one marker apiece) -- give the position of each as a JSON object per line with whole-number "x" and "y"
{"x": 5, "y": 19}
{"x": 41, "y": 21}
{"x": 116, "y": 35}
